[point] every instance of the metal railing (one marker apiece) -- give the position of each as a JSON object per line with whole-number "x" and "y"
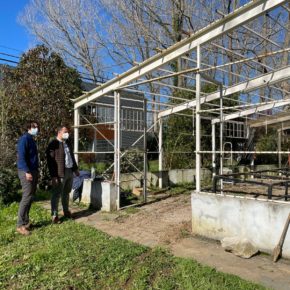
{"x": 284, "y": 180}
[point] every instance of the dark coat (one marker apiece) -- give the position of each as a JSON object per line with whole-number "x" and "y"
{"x": 56, "y": 158}
{"x": 27, "y": 155}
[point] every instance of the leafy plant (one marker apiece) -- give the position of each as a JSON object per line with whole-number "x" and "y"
{"x": 9, "y": 186}
{"x": 132, "y": 161}
{"x": 40, "y": 88}
{"x": 266, "y": 142}
{"x": 100, "y": 167}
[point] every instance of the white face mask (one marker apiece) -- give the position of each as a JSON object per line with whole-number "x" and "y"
{"x": 65, "y": 136}
{"x": 34, "y": 131}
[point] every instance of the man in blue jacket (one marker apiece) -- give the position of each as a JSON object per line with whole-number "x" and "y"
{"x": 27, "y": 165}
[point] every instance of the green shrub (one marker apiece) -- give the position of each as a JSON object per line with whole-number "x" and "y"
{"x": 100, "y": 167}
{"x": 153, "y": 165}
{"x": 132, "y": 161}
{"x": 9, "y": 186}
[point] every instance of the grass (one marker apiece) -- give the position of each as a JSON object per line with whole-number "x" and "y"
{"x": 75, "y": 256}
{"x": 100, "y": 167}
{"x": 153, "y": 165}
{"x": 42, "y": 194}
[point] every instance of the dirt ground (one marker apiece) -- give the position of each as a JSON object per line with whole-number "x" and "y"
{"x": 167, "y": 223}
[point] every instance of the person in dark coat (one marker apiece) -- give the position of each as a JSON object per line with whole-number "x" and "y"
{"x": 62, "y": 165}
{"x": 27, "y": 166}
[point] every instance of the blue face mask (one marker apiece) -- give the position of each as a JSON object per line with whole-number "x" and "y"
{"x": 34, "y": 131}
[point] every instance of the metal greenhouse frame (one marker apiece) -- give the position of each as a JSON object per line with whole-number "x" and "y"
{"x": 156, "y": 71}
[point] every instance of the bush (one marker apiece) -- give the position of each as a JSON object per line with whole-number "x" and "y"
{"x": 132, "y": 161}
{"x": 266, "y": 142}
{"x": 100, "y": 167}
{"x": 9, "y": 186}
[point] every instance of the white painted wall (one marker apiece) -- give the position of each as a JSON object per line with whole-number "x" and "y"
{"x": 261, "y": 221}
{"x": 100, "y": 195}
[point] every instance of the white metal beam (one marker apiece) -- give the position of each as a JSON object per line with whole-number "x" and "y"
{"x": 279, "y": 149}
{"x": 76, "y": 133}
{"x": 270, "y": 121}
{"x": 213, "y": 147}
{"x": 253, "y": 84}
{"x": 160, "y": 155}
{"x": 253, "y": 110}
{"x": 239, "y": 17}
{"x": 198, "y": 126}
{"x": 194, "y": 70}
{"x": 117, "y": 146}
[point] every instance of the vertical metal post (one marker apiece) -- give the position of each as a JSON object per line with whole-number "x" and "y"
{"x": 253, "y": 165}
{"x": 231, "y": 153}
{"x": 279, "y": 148}
{"x": 193, "y": 121}
{"x": 160, "y": 157}
{"x": 248, "y": 132}
{"x": 197, "y": 123}
{"x": 221, "y": 135}
{"x": 76, "y": 133}
{"x": 145, "y": 152}
{"x": 213, "y": 144}
{"x": 94, "y": 149}
{"x": 117, "y": 145}
{"x": 270, "y": 191}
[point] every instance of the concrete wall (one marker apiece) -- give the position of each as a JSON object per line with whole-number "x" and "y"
{"x": 260, "y": 221}
{"x": 246, "y": 168}
{"x": 99, "y": 194}
{"x": 170, "y": 177}
{"x": 175, "y": 176}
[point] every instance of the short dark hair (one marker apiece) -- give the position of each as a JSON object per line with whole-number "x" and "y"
{"x": 30, "y": 124}
{"x": 59, "y": 128}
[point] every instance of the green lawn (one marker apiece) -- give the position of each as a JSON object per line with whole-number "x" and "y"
{"x": 75, "y": 256}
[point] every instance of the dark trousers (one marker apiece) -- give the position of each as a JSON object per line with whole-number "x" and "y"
{"x": 62, "y": 189}
{"x": 28, "y": 192}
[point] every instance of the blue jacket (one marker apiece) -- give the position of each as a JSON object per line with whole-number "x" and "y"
{"x": 27, "y": 155}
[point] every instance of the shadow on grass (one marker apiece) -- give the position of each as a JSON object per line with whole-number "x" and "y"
{"x": 83, "y": 213}
{"x": 127, "y": 198}
{"x": 41, "y": 224}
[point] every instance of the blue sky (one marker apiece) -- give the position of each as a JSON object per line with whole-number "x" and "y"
{"x": 12, "y": 34}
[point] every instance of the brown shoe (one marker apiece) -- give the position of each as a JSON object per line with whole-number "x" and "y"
{"x": 55, "y": 220}
{"x": 23, "y": 231}
{"x": 28, "y": 226}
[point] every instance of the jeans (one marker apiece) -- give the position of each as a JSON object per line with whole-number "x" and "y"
{"x": 62, "y": 189}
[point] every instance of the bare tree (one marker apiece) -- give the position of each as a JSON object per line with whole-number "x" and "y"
{"x": 70, "y": 28}
{"x": 139, "y": 29}
{"x": 126, "y": 32}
